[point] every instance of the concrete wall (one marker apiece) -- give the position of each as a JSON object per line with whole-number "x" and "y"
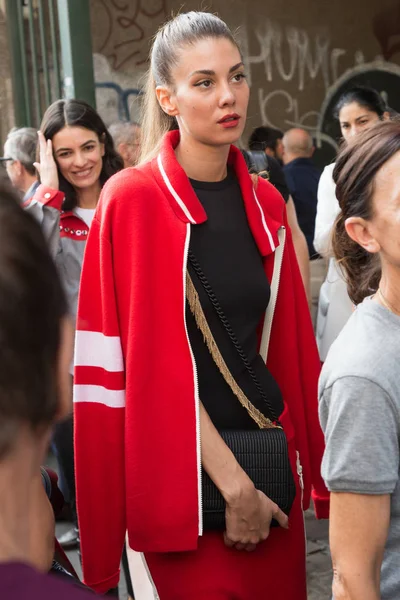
{"x": 298, "y": 53}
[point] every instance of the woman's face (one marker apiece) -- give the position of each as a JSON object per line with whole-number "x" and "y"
{"x": 354, "y": 118}
{"x": 210, "y": 93}
{"x": 385, "y": 222}
{"x": 79, "y": 156}
{"x": 381, "y": 233}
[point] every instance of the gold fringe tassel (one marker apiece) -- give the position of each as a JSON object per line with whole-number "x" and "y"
{"x": 194, "y": 303}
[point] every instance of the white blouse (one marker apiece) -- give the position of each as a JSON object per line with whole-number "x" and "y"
{"x": 327, "y": 210}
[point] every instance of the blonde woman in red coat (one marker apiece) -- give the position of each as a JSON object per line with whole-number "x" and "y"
{"x": 149, "y": 400}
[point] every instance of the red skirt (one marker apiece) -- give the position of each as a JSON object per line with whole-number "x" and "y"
{"x": 276, "y": 570}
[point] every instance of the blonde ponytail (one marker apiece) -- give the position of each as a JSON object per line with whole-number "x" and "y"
{"x": 155, "y": 122}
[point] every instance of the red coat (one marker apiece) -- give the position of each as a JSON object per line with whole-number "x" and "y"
{"x": 137, "y": 438}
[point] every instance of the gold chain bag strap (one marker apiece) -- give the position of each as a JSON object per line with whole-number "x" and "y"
{"x": 262, "y": 453}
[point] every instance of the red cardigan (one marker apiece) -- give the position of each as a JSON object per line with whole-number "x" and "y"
{"x": 137, "y": 435}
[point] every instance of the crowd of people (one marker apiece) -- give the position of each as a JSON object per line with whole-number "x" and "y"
{"x": 157, "y": 278}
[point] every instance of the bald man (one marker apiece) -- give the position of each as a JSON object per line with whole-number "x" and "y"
{"x": 302, "y": 178}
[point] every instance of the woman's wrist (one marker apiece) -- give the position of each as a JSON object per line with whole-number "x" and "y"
{"x": 237, "y": 485}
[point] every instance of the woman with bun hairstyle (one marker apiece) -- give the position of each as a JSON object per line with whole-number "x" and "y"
{"x": 358, "y": 108}
{"x": 359, "y": 389}
{"x": 149, "y": 397}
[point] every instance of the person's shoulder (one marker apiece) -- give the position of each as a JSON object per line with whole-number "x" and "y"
{"x": 130, "y": 180}
{"x": 270, "y": 199}
{"x": 129, "y": 190}
{"x": 328, "y": 171}
{"x": 367, "y": 347}
{"x": 20, "y": 581}
{"x": 277, "y": 177}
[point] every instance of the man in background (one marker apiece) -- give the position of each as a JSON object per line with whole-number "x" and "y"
{"x": 302, "y": 178}
{"x": 268, "y": 140}
{"x": 19, "y": 156}
{"x": 127, "y": 137}
{"x": 258, "y": 146}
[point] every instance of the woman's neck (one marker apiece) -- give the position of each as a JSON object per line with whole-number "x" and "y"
{"x": 89, "y": 197}
{"x": 390, "y": 286}
{"x": 19, "y": 486}
{"x": 201, "y": 162}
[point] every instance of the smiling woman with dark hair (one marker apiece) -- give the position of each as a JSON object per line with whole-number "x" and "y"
{"x": 76, "y": 157}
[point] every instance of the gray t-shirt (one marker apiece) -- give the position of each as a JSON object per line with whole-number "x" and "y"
{"x": 359, "y": 407}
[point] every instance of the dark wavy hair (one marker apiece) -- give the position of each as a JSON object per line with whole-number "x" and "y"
{"x": 77, "y": 113}
{"x": 354, "y": 174}
{"x": 364, "y": 96}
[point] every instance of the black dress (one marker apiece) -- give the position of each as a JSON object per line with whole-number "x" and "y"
{"x": 228, "y": 255}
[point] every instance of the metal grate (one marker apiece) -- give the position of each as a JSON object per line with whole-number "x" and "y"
{"x": 51, "y": 55}
{"x": 35, "y": 57}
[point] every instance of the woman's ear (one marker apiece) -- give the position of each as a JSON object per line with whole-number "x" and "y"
{"x": 167, "y": 101}
{"x": 359, "y": 230}
{"x": 386, "y": 116}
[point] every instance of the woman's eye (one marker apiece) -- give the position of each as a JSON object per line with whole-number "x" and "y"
{"x": 239, "y": 76}
{"x": 63, "y": 155}
{"x": 89, "y": 148}
{"x": 206, "y": 83}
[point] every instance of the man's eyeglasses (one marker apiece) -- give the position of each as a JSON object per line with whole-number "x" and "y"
{"x": 4, "y": 160}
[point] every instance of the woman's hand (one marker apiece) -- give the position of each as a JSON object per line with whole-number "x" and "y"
{"x": 47, "y": 168}
{"x": 248, "y": 515}
{"x": 248, "y": 511}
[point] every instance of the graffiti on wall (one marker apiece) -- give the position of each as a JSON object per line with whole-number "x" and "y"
{"x": 123, "y": 29}
{"x": 287, "y": 60}
{"x": 292, "y": 55}
{"x": 386, "y": 27}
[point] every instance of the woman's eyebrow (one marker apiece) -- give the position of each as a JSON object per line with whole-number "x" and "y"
{"x": 210, "y": 72}
{"x": 82, "y": 145}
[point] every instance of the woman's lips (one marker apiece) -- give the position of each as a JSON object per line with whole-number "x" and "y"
{"x": 229, "y": 121}
{"x": 82, "y": 174}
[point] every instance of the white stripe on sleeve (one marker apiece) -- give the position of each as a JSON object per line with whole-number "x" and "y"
{"x": 94, "y": 349}
{"x": 100, "y": 395}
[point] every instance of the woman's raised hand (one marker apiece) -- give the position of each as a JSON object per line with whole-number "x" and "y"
{"x": 47, "y": 167}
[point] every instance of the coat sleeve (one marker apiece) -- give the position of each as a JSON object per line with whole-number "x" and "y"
{"x": 45, "y": 207}
{"x": 309, "y": 369}
{"x": 99, "y": 413}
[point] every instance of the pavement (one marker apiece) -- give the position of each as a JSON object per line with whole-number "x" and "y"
{"x": 319, "y": 566}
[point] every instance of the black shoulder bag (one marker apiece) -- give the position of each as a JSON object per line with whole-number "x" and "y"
{"x": 263, "y": 454}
